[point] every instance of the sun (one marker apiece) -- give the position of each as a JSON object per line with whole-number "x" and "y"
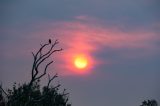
{"x": 81, "y": 62}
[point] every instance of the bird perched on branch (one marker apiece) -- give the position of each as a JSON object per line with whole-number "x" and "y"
{"x": 50, "y": 41}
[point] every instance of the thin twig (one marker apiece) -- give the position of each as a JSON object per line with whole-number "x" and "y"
{"x": 4, "y": 91}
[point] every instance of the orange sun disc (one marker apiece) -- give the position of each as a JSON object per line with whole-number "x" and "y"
{"x": 80, "y": 62}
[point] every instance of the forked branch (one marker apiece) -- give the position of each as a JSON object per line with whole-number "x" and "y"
{"x": 40, "y": 57}
{"x": 50, "y": 79}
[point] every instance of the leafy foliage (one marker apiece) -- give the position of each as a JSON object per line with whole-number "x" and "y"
{"x": 149, "y": 103}
{"x": 25, "y": 95}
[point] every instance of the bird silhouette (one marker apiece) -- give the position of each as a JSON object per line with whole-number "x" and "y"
{"x": 50, "y": 41}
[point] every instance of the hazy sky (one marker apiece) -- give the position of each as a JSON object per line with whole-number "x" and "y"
{"x": 120, "y": 38}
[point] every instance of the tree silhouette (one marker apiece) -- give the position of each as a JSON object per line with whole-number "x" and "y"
{"x": 31, "y": 94}
{"x": 2, "y": 101}
{"x": 149, "y": 103}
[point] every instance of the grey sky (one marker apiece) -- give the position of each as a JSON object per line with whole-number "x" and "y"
{"x": 124, "y": 33}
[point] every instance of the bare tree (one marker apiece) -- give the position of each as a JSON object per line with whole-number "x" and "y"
{"x": 30, "y": 94}
{"x": 40, "y": 57}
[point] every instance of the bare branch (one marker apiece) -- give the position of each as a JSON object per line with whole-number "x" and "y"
{"x": 39, "y": 58}
{"x": 41, "y": 48}
{"x": 50, "y": 79}
{"x": 33, "y": 54}
{"x": 48, "y": 55}
{"x": 53, "y": 45}
{"x": 44, "y": 70}
{"x": 57, "y": 86}
{"x": 4, "y": 91}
